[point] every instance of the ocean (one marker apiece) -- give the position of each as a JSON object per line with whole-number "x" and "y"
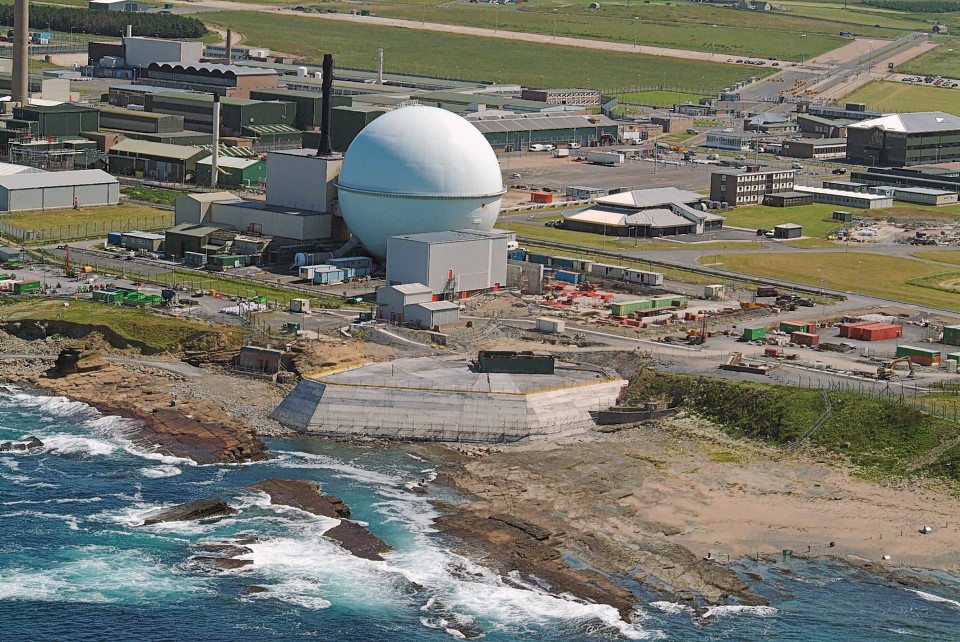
{"x": 75, "y": 564}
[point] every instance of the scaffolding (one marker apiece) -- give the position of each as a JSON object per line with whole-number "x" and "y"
{"x": 53, "y": 155}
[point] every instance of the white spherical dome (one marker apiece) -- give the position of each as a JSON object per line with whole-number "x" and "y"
{"x": 418, "y": 169}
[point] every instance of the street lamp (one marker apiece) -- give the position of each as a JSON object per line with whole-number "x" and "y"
{"x": 554, "y": 24}
{"x": 713, "y": 44}
{"x": 802, "y": 54}
{"x": 636, "y": 21}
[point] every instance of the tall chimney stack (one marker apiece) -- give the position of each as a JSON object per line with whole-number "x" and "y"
{"x": 380, "y": 66}
{"x": 229, "y": 54}
{"x": 326, "y": 148}
{"x": 215, "y": 159}
{"x": 20, "y": 82}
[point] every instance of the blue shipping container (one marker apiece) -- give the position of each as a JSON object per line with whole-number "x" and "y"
{"x": 517, "y": 255}
{"x": 563, "y": 262}
{"x": 542, "y": 259}
{"x": 568, "y": 277}
{"x": 336, "y": 275}
{"x": 352, "y": 262}
{"x": 114, "y": 238}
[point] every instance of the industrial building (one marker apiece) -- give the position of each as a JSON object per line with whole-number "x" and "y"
{"x": 237, "y": 115}
{"x": 735, "y": 141}
{"x": 131, "y": 120}
{"x": 749, "y": 186}
{"x": 142, "y": 52}
{"x": 854, "y": 200}
{"x": 233, "y": 81}
{"x": 237, "y": 52}
{"x": 57, "y": 190}
{"x": 392, "y": 300}
{"x": 771, "y": 123}
{"x": 446, "y": 399}
{"x": 451, "y": 264}
{"x": 578, "y": 97}
{"x": 432, "y": 315}
{"x": 665, "y": 211}
{"x": 54, "y": 120}
{"x": 924, "y": 196}
{"x": 156, "y": 161}
{"x": 516, "y": 132}
{"x": 138, "y": 240}
{"x": 788, "y": 199}
{"x": 787, "y": 231}
{"x": 905, "y": 139}
{"x": 118, "y": 5}
{"x": 932, "y": 177}
{"x": 815, "y": 148}
{"x": 821, "y": 127}
{"x": 186, "y": 238}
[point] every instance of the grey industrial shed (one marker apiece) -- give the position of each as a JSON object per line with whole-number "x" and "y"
{"x": 57, "y": 190}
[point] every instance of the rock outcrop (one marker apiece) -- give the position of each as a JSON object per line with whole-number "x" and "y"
{"x": 77, "y": 360}
{"x": 192, "y": 511}
{"x": 358, "y": 540}
{"x": 30, "y": 444}
{"x": 303, "y": 495}
{"x": 197, "y": 429}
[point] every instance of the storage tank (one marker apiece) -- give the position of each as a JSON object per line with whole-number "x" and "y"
{"x": 310, "y": 258}
{"x": 301, "y": 72}
{"x": 418, "y": 169}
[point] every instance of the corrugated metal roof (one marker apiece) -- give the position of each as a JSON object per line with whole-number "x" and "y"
{"x": 9, "y": 169}
{"x": 236, "y": 70}
{"x": 56, "y": 179}
{"x": 163, "y": 150}
{"x": 652, "y": 197}
{"x": 233, "y": 151}
{"x": 539, "y": 123}
{"x": 929, "y": 121}
{"x": 272, "y": 129}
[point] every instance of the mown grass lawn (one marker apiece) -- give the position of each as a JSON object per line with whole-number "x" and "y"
{"x": 817, "y": 219}
{"x": 86, "y": 216}
{"x": 942, "y": 61}
{"x": 947, "y": 256}
{"x": 874, "y": 274}
{"x": 532, "y": 64}
{"x": 889, "y": 96}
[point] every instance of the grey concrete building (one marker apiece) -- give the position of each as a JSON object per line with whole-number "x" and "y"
{"x": 58, "y": 190}
{"x": 749, "y": 186}
{"x": 905, "y": 139}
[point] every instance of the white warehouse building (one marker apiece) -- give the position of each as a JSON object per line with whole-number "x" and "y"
{"x": 58, "y": 190}
{"x": 450, "y": 263}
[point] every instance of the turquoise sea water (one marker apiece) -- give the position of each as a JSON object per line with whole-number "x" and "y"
{"x": 76, "y": 565}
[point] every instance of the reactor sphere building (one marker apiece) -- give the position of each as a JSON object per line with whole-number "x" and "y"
{"x": 418, "y": 169}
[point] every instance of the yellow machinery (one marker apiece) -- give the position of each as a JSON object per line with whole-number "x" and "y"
{"x": 888, "y": 371}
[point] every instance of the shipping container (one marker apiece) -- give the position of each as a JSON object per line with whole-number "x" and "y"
{"x": 329, "y": 274}
{"x": 26, "y": 287}
{"x": 352, "y": 262}
{"x": 669, "y": 301}
{"x": 540, "y": 259}
{"x": 541, "y": 197}
{"x": 608, "y": 271}
{"x": 563, "y": 263}
{"x": 752, "y": 334}
{"x": 623, "y": 308}
{"x": 805, "y": 339}
{"x": 923, "y": 356}
{"x": 517, "y": 255}
{"x": 567, "y": 276}
{"x": 194, "y": 259}
{"x": 951, "y": 335}
{"x": 798, "y": 326}
{"x": 847, "y": 328}
{"x": 306, "y": 272}
{"x": 642, "y": 277}
{"x": 514, "y": 362}
{"x": 767, "y": 290}
{"x": 226, "y": 261}
{"x": 881, "y": 332}
{"x": 954, "y": 356}
{"x": 550, "y": 326}
{"x": 107, "y": 296}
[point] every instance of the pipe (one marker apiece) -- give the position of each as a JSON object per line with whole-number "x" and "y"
{"x": 20, "y": 83}
{"x": 229, "y": 46}
{"x": 380, "y": 66}
{"x": 325, "y": 148}
{"x": 215, "y": 159}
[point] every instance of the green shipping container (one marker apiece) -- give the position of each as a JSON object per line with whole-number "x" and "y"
{"x": 26, "y": 287}
{"x": 790, "y": 327}
{"x": 262, "y": 300}
{"x": 954, "y": 356}
{"x": 752, "y": 334}
{"x": 951, "y": 335}
{"x": 923, "y": 356}
{"x": 623, "y": 308}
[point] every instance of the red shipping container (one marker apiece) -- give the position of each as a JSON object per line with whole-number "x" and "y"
{"x": 805, "y": 339}
{"x": 847, "y": 328}
{"x": 857, "y": 331}
{"x": 541, "y": 197}
{"x": 882, "y": 331}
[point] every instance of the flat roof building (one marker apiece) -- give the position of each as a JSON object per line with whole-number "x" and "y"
{"x": 57, "y": 190}
{"x": 815, "y": 148}
{"x": 234, "y": 81}
{"x": 924, "y": 196}
{"x": 664, "y": 211}
{"x": 158, "y": 161}
{"x": 855, "y": 200}
{"x": 749, "y": 186}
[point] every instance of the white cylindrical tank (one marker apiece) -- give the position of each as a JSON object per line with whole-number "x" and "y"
{"x": 418, "y": 169}
{"x": 318, "y": 75}
{"x": 301, "y": 72}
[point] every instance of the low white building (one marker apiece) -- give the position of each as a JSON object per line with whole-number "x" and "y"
{"x": 924, "y": 196}
{"x": 57, "y": 190}
{"x": 856, "y": 200}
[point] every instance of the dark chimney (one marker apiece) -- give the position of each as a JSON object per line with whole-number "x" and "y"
{"x": 229, "y": 47}
{"x": 325, "y": 148}
{"x": 20, "y": 80}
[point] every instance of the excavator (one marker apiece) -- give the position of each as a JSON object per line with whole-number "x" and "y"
{"x": 888, "y": 370}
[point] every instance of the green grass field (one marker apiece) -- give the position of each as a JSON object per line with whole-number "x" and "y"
{"x": 151, "y": 194}
{"x": 410, "y": 51}
{"x": 83, "y": 222}
{"x": 951, "y": 256}
{"x": 943, "y": 61}
{"x": 881, "y": 95}
{"x": 657, "y": 98}
{"x": 816, "y": 219}
{"x": 875, "y": 274}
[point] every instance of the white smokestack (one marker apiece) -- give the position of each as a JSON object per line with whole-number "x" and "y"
{"x": 129, "y": 33}
{"x": 380, "y": 66}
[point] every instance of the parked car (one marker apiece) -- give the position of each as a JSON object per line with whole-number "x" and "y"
{"x": 796, "y": 165}
{"x": 839, "y": 170}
